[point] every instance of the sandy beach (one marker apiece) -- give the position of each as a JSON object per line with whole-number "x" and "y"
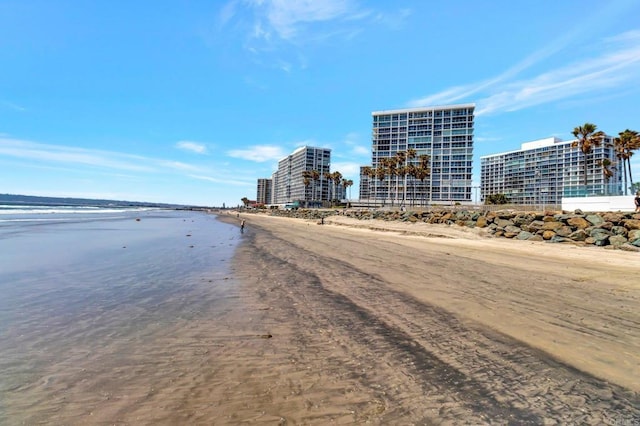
{"x": 397, "y": 323}
{"x": 186, "y": 320}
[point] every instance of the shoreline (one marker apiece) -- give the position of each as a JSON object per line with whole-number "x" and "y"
{"x": 539, "y": 316}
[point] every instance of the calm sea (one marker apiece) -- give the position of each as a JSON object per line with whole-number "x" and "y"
{"x": 76, "y": 280}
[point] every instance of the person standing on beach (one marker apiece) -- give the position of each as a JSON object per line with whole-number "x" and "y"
{"x": 637, "y": 201}
{"x": 242, "y": 226}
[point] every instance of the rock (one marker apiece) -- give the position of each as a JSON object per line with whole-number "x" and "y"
{"x": 578, "y": 222}
{"x": 612, "y": 217}
{"x": 564, "y": 231}
{"x": 512, "y": 229}
{"x": 619, "y": 230}
{"x": 503, "y": 223}
{"x": 523, "y": 219}
{"x": 548, "y": 234}
{"x": 559, "y": 239}
{"x": 600, "y": 236}
{"x": 606, "y": 225}
{"x": 579, "y": 235}
{"x": 552, "y": 226}
{"x": 594, "y": 219}
{"x": 617, "y": 240}
{"x": 632, "y": 224}
{"x": 524, "y": 235}
{"x": 535, "y": 226}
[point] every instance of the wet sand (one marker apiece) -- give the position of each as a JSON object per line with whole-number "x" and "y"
{"x": 428, "y": 324}
{"x": 341, "y": 324}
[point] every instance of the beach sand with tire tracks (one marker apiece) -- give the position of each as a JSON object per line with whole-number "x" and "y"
{"x": 394, "y": 322}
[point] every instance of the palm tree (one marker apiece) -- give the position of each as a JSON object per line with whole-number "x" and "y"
{"x": 306, "y": 180}
{"x": 368, "y": 172}
{"x": 337, "y": 177}
{"x": 329, "y": 177}
{"x": 391, "y": 170}
{"x": 607, "y": 173}
{"x": 400, "y": 160}
{"x": 346, "y": 183}
{"x": 411, "y": 154}
{"x": 315, "y": 175}
{"x": 587, "y": 137}
{"x": 423, "y": 170}
{"x": 245, "y": 201}
{"x": 624, "y": 145}
{"x": 411, "y": 170}
{"x": 381, "y": 173}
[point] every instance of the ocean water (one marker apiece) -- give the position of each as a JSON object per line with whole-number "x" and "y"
{"x": 82, "y": 288}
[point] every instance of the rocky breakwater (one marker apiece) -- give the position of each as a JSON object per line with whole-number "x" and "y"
{"x": 608, "y": 229}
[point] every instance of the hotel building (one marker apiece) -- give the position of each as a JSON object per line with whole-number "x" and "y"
{"x": 289, "y": 184}
{"x": 444, "y": 133}
{"x": 545, "y": 170}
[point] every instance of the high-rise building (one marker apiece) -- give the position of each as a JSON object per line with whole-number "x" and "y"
{"x": 264, "y": 191}
{"x": 443, "y": 133}
{"x": 545, "y": 170}
{"x": 301, "y": 177}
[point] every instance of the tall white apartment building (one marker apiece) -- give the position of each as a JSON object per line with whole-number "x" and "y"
{"x": 545, "y": 170}
{"x": 289, "y": 183}
{"x": 444, "y": 133}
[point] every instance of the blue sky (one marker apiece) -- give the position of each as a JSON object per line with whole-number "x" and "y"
{"x": 191, "y": 101}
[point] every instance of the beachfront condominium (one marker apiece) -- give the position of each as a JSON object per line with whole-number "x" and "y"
{"x": 541, "y": 172}
{"x": 301, "y": 177}
{"x": 264, "y": 191}
{"x": 441, "y": 135}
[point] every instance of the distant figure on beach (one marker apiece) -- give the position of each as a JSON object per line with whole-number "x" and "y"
{"x": 637, "y": 201}
{"x": 242, "y": 226}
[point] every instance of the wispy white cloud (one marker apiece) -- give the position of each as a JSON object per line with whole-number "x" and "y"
{"x": 286, "y": 18}
{"x": 12, "y": 106}
{"x": 258, "y": 153}
{"x": 57, "y": 155}
{"x": 225, "y": 181}
{"x": 227, "y": 12}
{"x": 394, "y": 20}
{"x": 613, "y": 69}
{"x": 71, "y": 155}
{"x": 197, "y": 147}
{"x": 361, "y": 150}
{"x": 178, "y": 165}
{"x": 617, "y": 65}
{"x": 274, "y": 31}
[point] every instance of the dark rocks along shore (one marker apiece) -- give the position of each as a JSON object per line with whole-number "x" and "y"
{"x": 617, "y": 230}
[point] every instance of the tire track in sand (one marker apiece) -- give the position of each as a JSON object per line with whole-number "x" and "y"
{"x": 425, "y": 363}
